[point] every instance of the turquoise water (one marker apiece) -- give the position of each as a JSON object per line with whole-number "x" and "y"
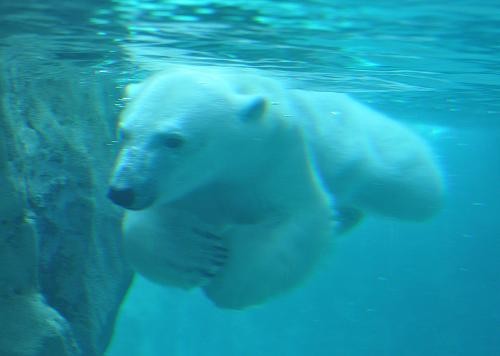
{"x": 390, "y": 288}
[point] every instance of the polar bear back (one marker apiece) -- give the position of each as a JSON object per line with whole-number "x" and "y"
{"x": 369, "y": 161}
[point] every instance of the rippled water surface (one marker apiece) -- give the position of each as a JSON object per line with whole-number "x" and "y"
{"x": 438, "y": 56}
{"x": 390, "y": 288}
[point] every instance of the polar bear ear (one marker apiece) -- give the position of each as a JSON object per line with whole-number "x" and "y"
{"x": 254, "y": 107}
{"x": 132, "y": 90}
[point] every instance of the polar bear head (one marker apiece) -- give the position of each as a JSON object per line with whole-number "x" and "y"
{"x": 181, "y": 130}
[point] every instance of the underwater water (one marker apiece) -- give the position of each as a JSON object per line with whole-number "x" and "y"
{"x": 389, "y": 287}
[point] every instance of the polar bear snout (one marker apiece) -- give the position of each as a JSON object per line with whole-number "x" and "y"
{"x": 128, "y": 198}
{"x": 131, "y": 185}
{"x": 123, "y": 197}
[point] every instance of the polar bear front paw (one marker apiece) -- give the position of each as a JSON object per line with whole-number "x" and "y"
{"x": 192, "y": 258}
{"x": 213, "y": 253}
{"x": 175, "y": 250}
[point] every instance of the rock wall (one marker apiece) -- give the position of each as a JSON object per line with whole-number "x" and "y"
{"x": 62, "y": 276}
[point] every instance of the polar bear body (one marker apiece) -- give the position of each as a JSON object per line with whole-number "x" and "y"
{"x": 235, "y": 183}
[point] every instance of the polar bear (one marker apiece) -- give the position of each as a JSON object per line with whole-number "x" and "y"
{"x": 238, "y": 185}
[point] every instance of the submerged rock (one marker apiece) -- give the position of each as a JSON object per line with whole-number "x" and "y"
{"x": 62, "y": 276}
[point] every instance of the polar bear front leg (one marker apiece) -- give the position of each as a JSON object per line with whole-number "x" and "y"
{"x": 172, "y": 247}
{"x": 272, "y": 257}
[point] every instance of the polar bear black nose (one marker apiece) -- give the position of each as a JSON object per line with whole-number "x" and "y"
{"x": 123, "y": 197}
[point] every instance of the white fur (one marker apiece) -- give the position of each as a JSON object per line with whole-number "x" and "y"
{"x": 244, "y": 207}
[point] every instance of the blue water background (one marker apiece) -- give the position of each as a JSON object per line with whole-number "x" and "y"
{"x": 389, "y": 288}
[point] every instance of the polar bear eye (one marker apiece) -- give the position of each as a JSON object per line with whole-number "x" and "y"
{"x": 173, "y": 140}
